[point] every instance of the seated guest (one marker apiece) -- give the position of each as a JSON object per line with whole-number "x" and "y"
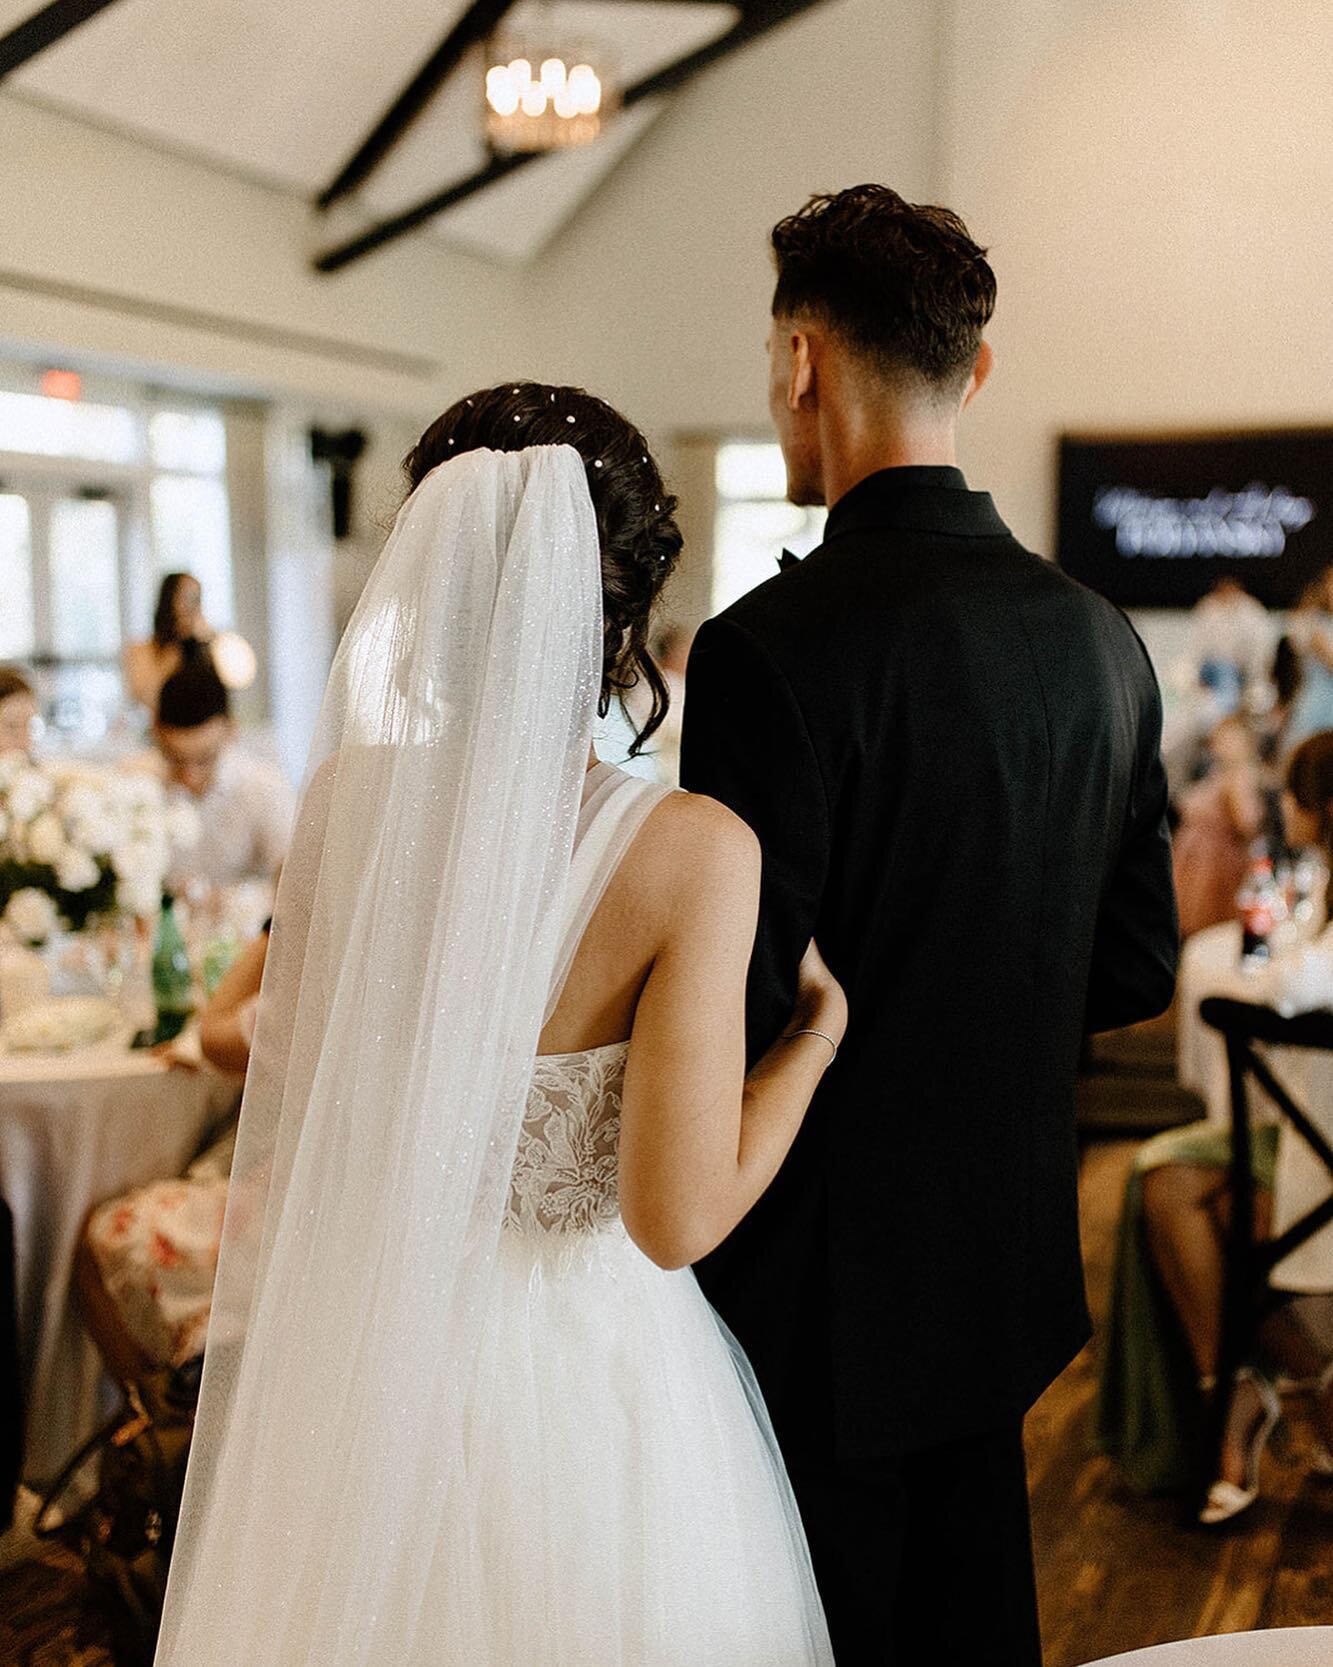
{"x": 1159, "y": 1356}
{"x": 1311, "y": 629}
{"x": 18, "y": 712}
{"x": 1231, "y": 640}
{"x": 178, "y": 625}
{"x": 149, "y": 1257}
{"x": 1220, "y": 818}
{"x": 244, "y": 804}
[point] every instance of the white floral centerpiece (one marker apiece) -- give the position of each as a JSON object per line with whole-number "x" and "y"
{"x": 79, "y": 846}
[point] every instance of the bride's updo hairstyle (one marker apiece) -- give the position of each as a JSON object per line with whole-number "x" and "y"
{"x": 635, "y": 513}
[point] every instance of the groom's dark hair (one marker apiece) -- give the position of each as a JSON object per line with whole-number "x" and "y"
{"x": 903, "y": 284}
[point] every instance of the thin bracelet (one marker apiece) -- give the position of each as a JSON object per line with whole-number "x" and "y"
{"x": 791, "y": 1037}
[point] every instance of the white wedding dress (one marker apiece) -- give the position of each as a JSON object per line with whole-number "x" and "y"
{"x": 450, "y": 1415}
{"x": 633, "y": 1508}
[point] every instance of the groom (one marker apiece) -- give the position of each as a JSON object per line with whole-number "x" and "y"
{"x": 950, "y": 753}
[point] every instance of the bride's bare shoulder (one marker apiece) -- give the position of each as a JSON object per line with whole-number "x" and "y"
{"x": 700, "y": 845}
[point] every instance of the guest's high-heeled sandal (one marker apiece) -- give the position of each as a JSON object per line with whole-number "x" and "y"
{"x": 1321, "y": 1460}
{"x": 1225, "y": 1499}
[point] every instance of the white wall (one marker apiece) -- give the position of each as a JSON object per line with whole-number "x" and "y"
{"x": 95, "y": 209}
{"x": 1155, "y": 180}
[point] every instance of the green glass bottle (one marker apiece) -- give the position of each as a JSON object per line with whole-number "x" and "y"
{"x": 173, "y": 987}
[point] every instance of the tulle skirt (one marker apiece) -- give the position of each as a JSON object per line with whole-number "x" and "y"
{"x": 626, "y": 1503}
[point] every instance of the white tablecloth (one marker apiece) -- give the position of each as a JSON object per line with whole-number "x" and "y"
{"x": 1297, "y": 1646}
{"x": 76, "y": 1130}
{"x": 1210, "y": 966}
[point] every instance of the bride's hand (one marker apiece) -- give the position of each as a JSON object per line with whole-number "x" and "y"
{"x": 820, "y": 1001}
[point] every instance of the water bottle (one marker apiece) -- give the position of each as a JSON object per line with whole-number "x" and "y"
{"x": 1262, "y": 909}
{"x": 173, "y": 987}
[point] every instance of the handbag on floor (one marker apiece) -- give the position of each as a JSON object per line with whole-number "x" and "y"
{"x": 124, "y": 1533}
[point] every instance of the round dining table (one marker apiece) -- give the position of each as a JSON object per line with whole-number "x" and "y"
{"x": 1210, "y": 966}
{"x": 75, "y": 1130}
{"x": 1296, "y": 1646}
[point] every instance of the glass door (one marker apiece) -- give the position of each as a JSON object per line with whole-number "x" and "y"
{"x": 62, "y": 599}
{"x": 18, "y": 618}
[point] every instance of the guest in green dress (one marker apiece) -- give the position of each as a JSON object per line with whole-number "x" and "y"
{"x": 1160, "y": 1347}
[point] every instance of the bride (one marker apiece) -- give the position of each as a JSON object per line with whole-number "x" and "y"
{"x": 464, "y": 1404}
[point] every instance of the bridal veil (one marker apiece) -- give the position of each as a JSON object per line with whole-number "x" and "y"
{"x": 413, "y": 952}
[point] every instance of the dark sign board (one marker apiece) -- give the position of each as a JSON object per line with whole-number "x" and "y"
{"x": 1155, "y": 522}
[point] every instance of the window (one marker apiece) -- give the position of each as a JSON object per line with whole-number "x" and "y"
{"x": 17, "y": 621}
{"x": 755, "y": 523}
{"x": 194, "y": 442}
{"x": 84, "y": 561}
{"x": 191, "y": 535}
{"x": 67, "y": 428}
{"x": 99, "y": 497}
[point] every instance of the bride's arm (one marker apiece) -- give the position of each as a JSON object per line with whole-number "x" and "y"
{"x": 699, "y": 1140}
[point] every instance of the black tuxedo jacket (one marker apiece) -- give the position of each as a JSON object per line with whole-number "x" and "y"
{"x": 950, "y": 753}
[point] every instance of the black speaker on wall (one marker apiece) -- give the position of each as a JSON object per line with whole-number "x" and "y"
{"x": 340, "y": 449}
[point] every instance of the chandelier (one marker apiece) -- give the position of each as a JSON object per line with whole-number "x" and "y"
{"x": 543, "y": 101}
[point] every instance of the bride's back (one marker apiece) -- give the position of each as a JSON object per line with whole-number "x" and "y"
{"x": 629, "y": 926}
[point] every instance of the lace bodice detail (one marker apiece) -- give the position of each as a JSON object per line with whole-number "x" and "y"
{"x": 565, "y": 1175}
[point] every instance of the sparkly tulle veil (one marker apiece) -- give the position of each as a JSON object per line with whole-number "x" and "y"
{"x": 412, "y": 958}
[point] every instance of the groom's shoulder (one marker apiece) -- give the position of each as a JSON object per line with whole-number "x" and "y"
{"x": 798, "y": 592}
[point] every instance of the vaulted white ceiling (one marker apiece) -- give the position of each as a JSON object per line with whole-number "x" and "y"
{"x": 283, "y": 91}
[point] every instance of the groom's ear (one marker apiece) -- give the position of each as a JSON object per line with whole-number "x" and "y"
{"x": 980, "y": 371}
{"x": 801, "y": 384}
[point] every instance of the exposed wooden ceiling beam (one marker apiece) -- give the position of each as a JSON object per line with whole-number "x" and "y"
{"x": 478, "y": 21}
{"x": 44, "y": 28}
{"x": 757, "y": 17}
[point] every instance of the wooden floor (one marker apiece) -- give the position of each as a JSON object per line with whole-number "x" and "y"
{"x": 44, "y": 1621}
{"x": 1115, "y": 1572}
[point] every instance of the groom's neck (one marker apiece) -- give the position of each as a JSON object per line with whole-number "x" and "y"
{"x": 856, "y": 444}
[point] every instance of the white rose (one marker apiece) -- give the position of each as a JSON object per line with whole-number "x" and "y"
{"x": 101, "y": 829}
{"x": 76, "y": 870}
{"x": 46, "y": 838}
{"x": 30, "y": 793}
{"x": 82, "y": 801}
{"x": 139, "y": 895}
{"x": 135, "y": 792}
{"x": 184, "y": 825}
{"x": 96, "y": 838}
{"x": 140, "y": 858}
{"x": 32, "y": 916}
